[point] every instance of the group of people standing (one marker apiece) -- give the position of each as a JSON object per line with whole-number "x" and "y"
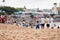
{"x": 2, "y": 19}
{"x": 44, "y": 22}
{"x": 6, "y": 19}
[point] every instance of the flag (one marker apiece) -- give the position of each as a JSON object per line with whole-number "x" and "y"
{"x": 3, "y": 1}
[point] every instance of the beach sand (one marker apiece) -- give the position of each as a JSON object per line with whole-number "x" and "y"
{"x": 12, "y": 32}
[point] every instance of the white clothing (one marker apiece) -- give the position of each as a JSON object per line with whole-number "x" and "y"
{"x": 42, "y": 20}
{"x": 51, "y": 22}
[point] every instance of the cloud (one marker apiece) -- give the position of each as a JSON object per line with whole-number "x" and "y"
{"x": 42, "y": 4}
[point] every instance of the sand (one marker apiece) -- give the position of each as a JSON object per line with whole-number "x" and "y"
{"x": 12, "y": 32}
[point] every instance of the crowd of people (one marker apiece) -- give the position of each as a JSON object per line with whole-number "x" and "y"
{"x": 44, "y": 22}
{"x": 2, "y": 19}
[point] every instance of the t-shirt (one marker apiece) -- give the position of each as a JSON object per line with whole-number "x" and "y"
{"x": 47, "y": 20}
{"x": 42, "y": 20}
{"x": 51, "y": 20}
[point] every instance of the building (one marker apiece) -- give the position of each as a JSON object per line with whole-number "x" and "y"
{"x": 47, "y": 11}
{"x": 55, "y": 9}
{"x": 34, "y": 11}
{"x": 58, "y": 9}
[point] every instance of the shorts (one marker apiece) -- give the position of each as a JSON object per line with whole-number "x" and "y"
{"x": 42, "y": 25}
{"x": 48, "y": 25}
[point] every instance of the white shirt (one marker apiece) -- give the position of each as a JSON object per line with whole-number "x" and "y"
{"x": 42, "y": 20}
{"x": 51, "y": 20}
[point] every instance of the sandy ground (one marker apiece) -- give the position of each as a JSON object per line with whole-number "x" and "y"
{"x": 12, "y": 32}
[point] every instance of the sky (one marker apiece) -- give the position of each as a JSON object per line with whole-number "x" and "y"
{"x": 41, "y": 4}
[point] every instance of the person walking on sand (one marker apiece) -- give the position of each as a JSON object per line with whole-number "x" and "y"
{"x": 37, "y": 26}
{"x": 47, "y": 22}
{"x": 17, "y": 21}
{"x": 51, "y": 21}
{"x": 42, "y": 22}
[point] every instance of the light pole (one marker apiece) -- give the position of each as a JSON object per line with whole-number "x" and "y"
{"x": 3, "y": 3}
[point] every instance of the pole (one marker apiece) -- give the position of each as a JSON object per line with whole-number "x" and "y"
{"x": 3, "y": 2}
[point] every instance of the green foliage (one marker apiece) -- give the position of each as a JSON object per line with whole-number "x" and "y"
{"x": 1, "y": 13}
{"x": 20, "y": 9}
{"x": 8, "y": 10}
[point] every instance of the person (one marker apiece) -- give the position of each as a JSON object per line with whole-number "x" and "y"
{"x": 12, "y": 20}
{"x": 51, "y": 22}
{"x": 17, "y": 21}
{"x": 6, "y": 18}
{"x": 3, "y": 20}
{"x": 42, "y": 22}
{"x": 37, "y": 26}
{"x": 58, "y": 27}
{"x": 30, "y": 23}
{"x": 47, "y": 22}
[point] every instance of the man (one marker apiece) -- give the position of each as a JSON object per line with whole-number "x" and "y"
{"x": 51, "y": 21}
{"x": 42, "y": 22}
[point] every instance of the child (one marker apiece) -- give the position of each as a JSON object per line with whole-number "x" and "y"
{"x": 37, "y": 26}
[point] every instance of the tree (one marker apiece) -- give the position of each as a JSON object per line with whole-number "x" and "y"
{"x": 8, "y": 10}
{"x": 20, "y": 9}
{"x": 1, "y": 13}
